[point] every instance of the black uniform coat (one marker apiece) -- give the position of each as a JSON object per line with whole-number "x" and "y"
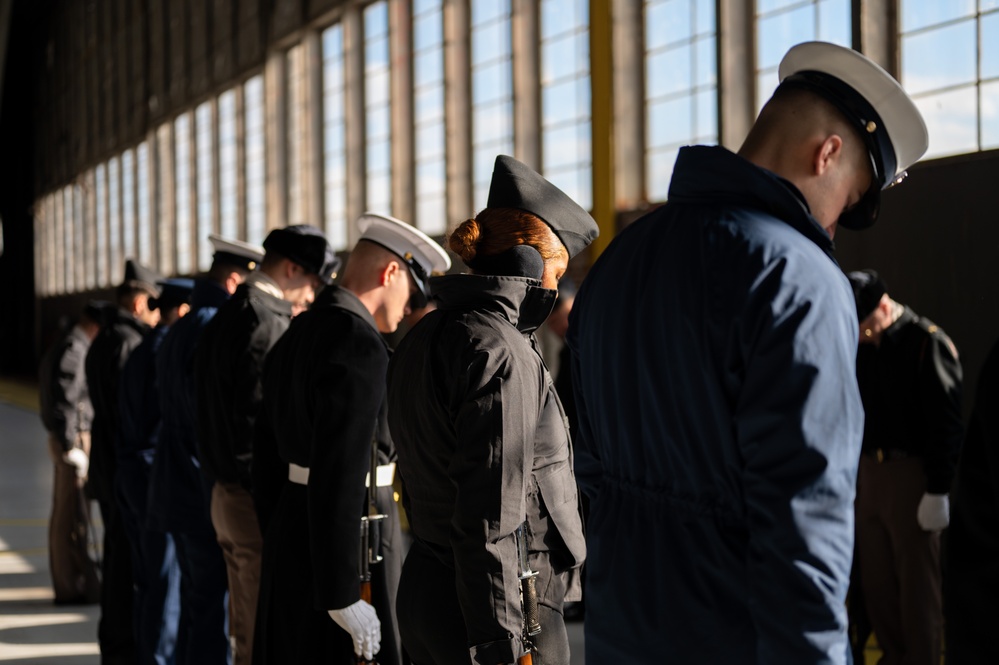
{"x": 324, "y": 393}
{"x": 227, "y": 367}
{"x": 62, "y": 388}
{"x": 483, "y": 447}
{"x": 105, "y": 360}
{"x": 971, "y": 542}
{"x": 911, "y": 388}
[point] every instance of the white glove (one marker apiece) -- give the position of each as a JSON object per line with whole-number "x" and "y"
{"x": 77, "y": 458}
{"x": 361, "y": 621}
{"x": 934, "y": 512}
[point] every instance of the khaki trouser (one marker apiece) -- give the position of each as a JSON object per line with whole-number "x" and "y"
{"x": 899, "y": 562}
{"x": 74, "y": 573}
{"x": 238, "y": 532}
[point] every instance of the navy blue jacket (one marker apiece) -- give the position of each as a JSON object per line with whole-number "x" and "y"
{"x": 720, "y": 426}
{"x": 177, "y": 498}
{"x": 138, "y": 400}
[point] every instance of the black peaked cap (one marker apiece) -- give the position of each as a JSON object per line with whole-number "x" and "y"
{"x": 305, "y": 245}
{"x": 138, "y": 276}
{"x": 516, "y": 185}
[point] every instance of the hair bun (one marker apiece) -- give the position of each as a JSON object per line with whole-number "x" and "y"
{"x": 464, "y": 240}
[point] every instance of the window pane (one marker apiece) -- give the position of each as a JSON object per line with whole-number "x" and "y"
{"x": 917, "y": 14}
{"x": 990, "y": 115}
{"x": 182, "y": 187}
{"x": 779, "y": 32}
{"x": 334, "y": 151}
{"x": 660, "y": 171}
{"x": 81, "y": 257}
{"x": 950, "y": 119}
{"x": 939, "y": 58}
{"x": 229, "y": 224}
{"x": 668, "y": 22}
{"x": 128, "y": 203}
{"x": 66, "y": 240}
{"x": 205, "y": 184}
{"x": 428, "y": 114}
{"x": 144, "y": 217}
{"x": 834, "y": 21}
{"x": 163, "y": 216}
{"x": 377, "y": 112}
{"x": 101, "y": 213}
{"x": 990, "y": 45}
{"x": 253, "y": 95}
{"x": 114, "y": 221}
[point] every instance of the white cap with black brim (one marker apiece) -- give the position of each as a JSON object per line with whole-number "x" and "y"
{"x": 887, "y": 120}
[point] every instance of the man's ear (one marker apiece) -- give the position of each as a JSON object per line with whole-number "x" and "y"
{"x": 389, "y": 273}
{"x": 827, "y": 153}
{"x": 232, "y": 280}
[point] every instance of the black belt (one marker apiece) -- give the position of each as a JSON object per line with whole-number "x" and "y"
{"x": 888, "y": 454}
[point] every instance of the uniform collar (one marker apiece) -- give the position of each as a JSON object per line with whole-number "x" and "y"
{"x": 337, "y": 296}
{"x": 265, "y": 283}
{"x": 520, "y": 300}
{"x": 713, "y": 174}
{"x": 905, "y": 318}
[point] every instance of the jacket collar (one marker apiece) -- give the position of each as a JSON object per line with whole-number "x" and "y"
{"x": 249, "y": 292}
{"x": 713, "y": 173}
{"x": 124, "y": 318}
{"x": 337, "y": 296}
{"x": 520, "y": 300}
{"x": 208, "y": 293}
{"x": 905, "y": 318}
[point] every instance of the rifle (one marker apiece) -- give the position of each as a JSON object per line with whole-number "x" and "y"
{"x": 528, "y": 598}
{"x": 370, "y": 536}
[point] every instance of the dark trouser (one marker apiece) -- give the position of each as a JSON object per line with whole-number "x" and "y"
{"x": 235, "y": 522}
{"x": 204, "y": 627}
{"x": 900, "y": 563}
{"x": 74, "y": 573}
{"x": 114, "y": 632}
{"x": 156, "y": 573}
{"x": 431, "y": 623}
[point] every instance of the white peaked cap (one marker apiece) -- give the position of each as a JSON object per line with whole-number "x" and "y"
{"x": 236, "y": 252}
{"x": 898, "y": 123}
{"x": 401, "y": 238}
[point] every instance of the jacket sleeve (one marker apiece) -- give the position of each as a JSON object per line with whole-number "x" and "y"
{"x": 940, "y": 402}
{"x": 247, "y": 372}
{"x": 799, "y": 425}
{"x": 349, "y": 390}
{"x": 68, "y": 393}
{"x": 495, "y": 409}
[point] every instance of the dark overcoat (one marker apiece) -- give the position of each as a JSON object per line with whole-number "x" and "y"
{"x": 324, "y": 393}
{"x": 483, "y": 448}
{"x": 714, "y": 344}
{"x": 62, "y": 388}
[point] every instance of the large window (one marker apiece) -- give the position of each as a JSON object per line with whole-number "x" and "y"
{"x": 780, "y": 24}
{"x": 297, "y": 150}
{"x": 950, "y": 66}
{"x": 492, "y": 92}
{"x": 205, "y": 182}
{"x": 256, "y": 192}
{"x": 334, "y": 138}
{"x": 565, "y": 102}
{"x": 68, "y": 240}
{"x": 79, "y": 257}
{"x": 681, "y": 100}
{"x": 228, "y": 206}
{"x": 182, "y": 189}
{"x": 428, "y": 113}
{"x": 377, "y": 116}
{"x": 128, "y": 203}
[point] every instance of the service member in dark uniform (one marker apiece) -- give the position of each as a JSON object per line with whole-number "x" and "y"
{"x": 971, "y": 542}
{"x": 67, "y": 413}
{"x": 484, "y": 448}
{"x": 155, "y": 573}
{"x": 324, "y": 393}
{"x": 227, "y": 368}
{"x": 121, "y": 333}
{"x": 910, "y": 383}
{"x": 178, "y": 493}
{"x": 720, "y": 422}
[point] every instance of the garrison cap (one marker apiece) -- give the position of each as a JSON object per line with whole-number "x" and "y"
{"x": 873, "y": 102}
{"x": 868, "y": 287}
{"x": 305, "y": 245}
{"x": 235, "y": 252}
{"x": 423, "y": 256}
{"x": 138, "y": 276}
{"x": 516, "y": 185}
{"x": 173, "y": 293}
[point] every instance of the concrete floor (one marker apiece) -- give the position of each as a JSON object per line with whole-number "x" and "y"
{"x": 33, "y": 631}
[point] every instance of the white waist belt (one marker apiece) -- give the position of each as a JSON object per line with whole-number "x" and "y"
{"x": 384, "y": 475}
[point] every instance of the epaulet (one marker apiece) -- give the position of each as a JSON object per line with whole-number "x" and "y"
{"x": 937, "y": 333}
